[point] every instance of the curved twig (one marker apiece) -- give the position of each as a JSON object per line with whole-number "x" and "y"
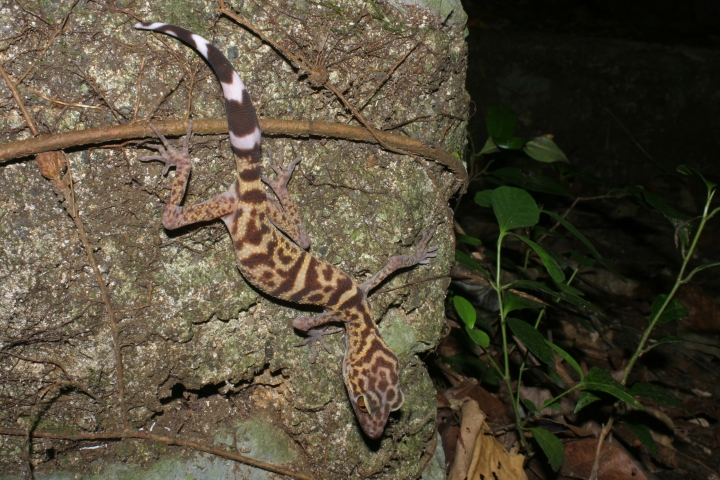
{"x": 169, "y": 440}
{"x": 94, "y": 136}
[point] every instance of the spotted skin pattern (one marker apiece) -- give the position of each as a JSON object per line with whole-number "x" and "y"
{"x": 279, "y": 267}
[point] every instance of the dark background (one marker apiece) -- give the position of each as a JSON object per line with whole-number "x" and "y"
{"x": 629, "y": 89}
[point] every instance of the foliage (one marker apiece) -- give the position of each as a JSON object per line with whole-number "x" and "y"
{"x": 518, "y": 217}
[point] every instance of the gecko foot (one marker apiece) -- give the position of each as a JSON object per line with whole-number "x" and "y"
{"x": 423, "y": 253}
{"x": 314, "y": 337}
{"x": 283, "y": 173}
{"x": 169, "y": 155}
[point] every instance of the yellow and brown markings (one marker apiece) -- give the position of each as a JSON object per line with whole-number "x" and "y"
{"x": 274, "y": 264}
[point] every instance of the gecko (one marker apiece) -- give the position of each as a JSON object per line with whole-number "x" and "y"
{"x": 270, "y": 243}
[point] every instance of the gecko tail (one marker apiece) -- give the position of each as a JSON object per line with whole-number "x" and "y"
{"x": 243, "y": 123}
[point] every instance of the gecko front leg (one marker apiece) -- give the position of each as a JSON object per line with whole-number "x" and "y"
{"x": 310, "y": 326}
{"x": 175, "y": 216}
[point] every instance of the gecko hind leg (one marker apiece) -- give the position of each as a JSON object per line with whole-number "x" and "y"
{"x": 282, "y": 211}
{"x": 316, "y": 335}
{"x": 421, "y": 256}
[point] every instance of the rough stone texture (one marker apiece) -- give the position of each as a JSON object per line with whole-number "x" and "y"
{"x": 205, "y": 355}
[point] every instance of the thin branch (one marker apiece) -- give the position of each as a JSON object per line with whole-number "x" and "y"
{"x": 50, "y": 42}
{"x": 16, "y": 95}
{"x": 111, "y": 316}
{"x": 30, "y": 12}
{"x": 44, "y": 143}
{"x": 389, "y": 74}
{"x": 67, "y": 104}
{"x": 169, "y": 440}
{"x": 319, "y": 77}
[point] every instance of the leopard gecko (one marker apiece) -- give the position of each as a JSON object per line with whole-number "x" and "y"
{"x": 282, "y": 268}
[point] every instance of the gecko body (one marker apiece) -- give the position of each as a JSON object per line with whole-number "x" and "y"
{"x": 280, "y": 267}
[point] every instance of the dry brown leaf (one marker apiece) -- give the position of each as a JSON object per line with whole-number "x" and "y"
{"x": 479, "y": 456}
{"x": 492, "y": 461}
{"x": 615, "y": 462}
{"x": 495, "y": 411}
{"x": 472, "y": 423}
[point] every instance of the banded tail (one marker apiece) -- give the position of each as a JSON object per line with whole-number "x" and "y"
{"x": 242, "y": 119}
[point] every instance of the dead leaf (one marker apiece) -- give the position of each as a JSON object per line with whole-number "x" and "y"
{"x": 703, "y": 312}
{"x": 492, "y": 461}
{"x": 472, "y": 422}
{"x": 496, "y": 411}
{"x": 615, "y": 462}
{"x": 480, "y": 456}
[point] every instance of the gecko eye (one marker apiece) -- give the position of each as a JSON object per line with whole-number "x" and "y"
{"x": 361, "y": 404}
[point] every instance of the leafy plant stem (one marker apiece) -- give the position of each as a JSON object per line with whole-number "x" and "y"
{"x": 686, "y": 256}
{"x": 527, "y": 260}
{"x": 505, "y": 373}
{"x": 572, "y": 277}
{"x": 678, "y": 281}
{"x": 519, "y": 422}
{"x": 547, "y": 403}
{"x": 503, "y": 326}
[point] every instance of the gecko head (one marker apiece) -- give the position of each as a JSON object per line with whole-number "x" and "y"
{"x": 373, "y": 384}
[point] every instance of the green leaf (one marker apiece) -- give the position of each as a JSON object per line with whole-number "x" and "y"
{"x": 513, "y": 301}
{"x": 489, "y": 147}
{"x": 540, "y": 230}
{"x": 544, "y": 149}
{"x": 584, "y": 323}
{"x": 468, "y": 364}
{"x": 484, "y": 198}
{"x": 700, "y": 268}
{"x": 540, "y": 287}
{"x": 529, "y": 405}
{"x": 584, "y": 399}
{"x": 492, "y": 377}
{"x": 532, "y": 339}
{"x": 501, "y": 122}
{"x": 465, "y": 310}
{"x": 678, "y": 220}
{"x": 465, "y": 259}
{"x": 467, "y": 239}
{"x": 535, "y": 183}
{"x": 674, "y": 311}
{"x": 674, "y": 339}
{"x": 643, "y": 434}
{"x": 600, "y": 380}
{"x": 548, "y": 261}
{"x": 555, "y": 377}
{"x": 569, "y": 359}
{"x": 657, "y": 394}
{"x": 687, "y": 170}
{"x": 514, "y": 208}
{"x": 512, "y": 143}
{"x": 569, "y": 289}
{"x": 478, "y": 336}
{"x": 585, "y": 240}
{"x": 559, "y": 259}
{"x": 582, "y": 259}
{"x": 568, "y": 172}
{"x": 671, "y": 339}
{"x": 575, "y": 232}
{"x": 482, "y": 324}
{"x": 551, "y": 446}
